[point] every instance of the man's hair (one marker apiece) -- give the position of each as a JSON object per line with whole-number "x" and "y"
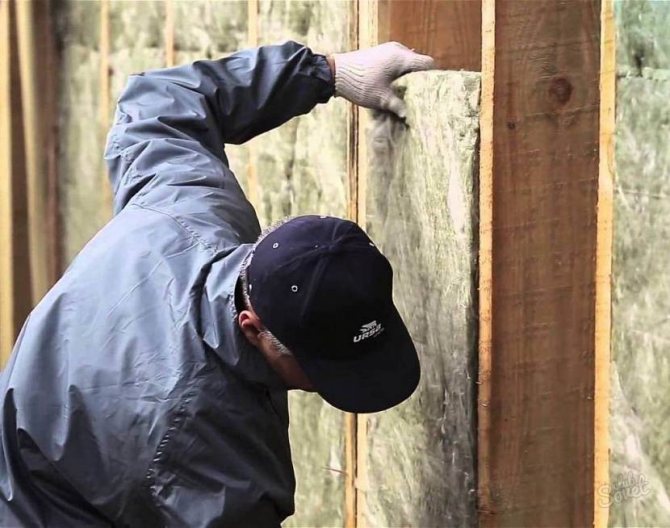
{"x": 244, "y": 281}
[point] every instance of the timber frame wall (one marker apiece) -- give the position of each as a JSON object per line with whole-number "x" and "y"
{"x": 544, "y": 240}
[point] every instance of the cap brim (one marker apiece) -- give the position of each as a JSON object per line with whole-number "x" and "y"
{"x": 382, "y": 378}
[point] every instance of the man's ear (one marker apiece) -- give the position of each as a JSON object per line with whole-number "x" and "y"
{"x": 251, "y": 326}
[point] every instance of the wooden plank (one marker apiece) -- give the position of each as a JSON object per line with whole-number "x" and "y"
{"x": 537, "y": 412}
{"x": 448, "y": 30}
{"x": 16, "y": 291}
{"x": 6, "y": 216}
{"x": 353, "y": 169}
{"x": 38, "y": 106}
{"x": 48, "y": 76}
{"x": 604, "y": 252}
{"x": 485, "y": 261}
{"x": 367, "y": 26}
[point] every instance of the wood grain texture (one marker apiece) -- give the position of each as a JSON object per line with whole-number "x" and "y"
{"x": 538, "y": 443}
{"x": 485, "y": 257}
{"x": 7, "y": 327}
{"x": 367, "y": 35}
{"x": 420, "y": 456}
{"x": 603, "y": 286}
{"x": 16, "y": 291}
{"x": 38, "y": 75}
{"x": 448, "y": 30}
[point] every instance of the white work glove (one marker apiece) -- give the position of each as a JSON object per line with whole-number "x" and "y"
{"x": 364, "y": 77}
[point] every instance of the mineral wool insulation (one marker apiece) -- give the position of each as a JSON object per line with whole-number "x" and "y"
{"x": 640, "y": 400}
{"x": 419, "y": 461}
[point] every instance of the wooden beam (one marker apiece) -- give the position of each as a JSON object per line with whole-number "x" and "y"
{"x": 16, "y": 291}
{"x": 366, "y": 20}
{"x": 604, "y": 253}
{"x": 448, "y": 30}
{"x": 540, "y": 231}
{"x": 38, "y": 96}
{"x": 6, "y": 216}
{"x": 485, "y": 257}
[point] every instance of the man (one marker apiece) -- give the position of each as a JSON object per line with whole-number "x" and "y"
{"x": 148, "y": 388}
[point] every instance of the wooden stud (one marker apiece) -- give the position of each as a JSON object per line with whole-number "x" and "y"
{"x": 36, "y": 123}
{"x": 367, "y": 20}
{"x": 352, "y": 464}
{"x": 540, "y": 229}
{"x": 6, "y": 216}
{"x": 49, "y": 103}
{"x": 16, "y": 291}
{"x": 448, "y": 30}
{"x": 604, "y": 253}
{"x": 485, "y": 255}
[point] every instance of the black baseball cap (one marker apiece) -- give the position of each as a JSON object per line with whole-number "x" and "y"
{"x": 323, "y": 288}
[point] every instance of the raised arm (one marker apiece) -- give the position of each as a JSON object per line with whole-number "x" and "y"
{"x": 193, "y": 110}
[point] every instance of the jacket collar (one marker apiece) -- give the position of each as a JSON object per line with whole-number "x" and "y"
{"x": 220, "y": 328}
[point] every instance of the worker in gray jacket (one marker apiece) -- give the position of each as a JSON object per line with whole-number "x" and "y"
{"x": 149, "y": 387}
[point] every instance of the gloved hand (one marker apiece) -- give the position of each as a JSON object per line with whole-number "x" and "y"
{"x": 364, "y": 77}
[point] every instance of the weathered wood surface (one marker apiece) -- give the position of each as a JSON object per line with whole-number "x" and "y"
{"x": 538, "y": 369}
{"x": 15, "y": 293}
{"x": 447, "y": 30}
{"x": 420, "y": 211}
{"x": 639, "y": 492}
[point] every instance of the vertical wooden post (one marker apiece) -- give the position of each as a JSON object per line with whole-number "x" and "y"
{"x": 542, "y": 263}
{"x": 485, "y": 256}
{"x": 6, "y": 206}
{"x": 448, "y": 30}
{"x": 16, "y": 288}
{"x": 604, "y": 254}
{"x": 38, "y": 97}
{"x": 367, "y": 19}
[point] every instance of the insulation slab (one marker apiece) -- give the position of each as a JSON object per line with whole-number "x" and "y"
{"x": 639, "y": 489}
{"x": 81, "y": 141}
{"x": 421, "y": 208}
{"x": 206, "y": 29}
{"x": 301, "y": 168}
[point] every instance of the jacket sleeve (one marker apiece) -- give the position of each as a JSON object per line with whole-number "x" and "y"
{"x": 171, "y": 124}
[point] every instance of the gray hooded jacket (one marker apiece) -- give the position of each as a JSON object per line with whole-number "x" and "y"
{"x": 131, "y": 397}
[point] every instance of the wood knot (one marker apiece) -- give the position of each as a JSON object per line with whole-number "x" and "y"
{"x": 560, "y": 90}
